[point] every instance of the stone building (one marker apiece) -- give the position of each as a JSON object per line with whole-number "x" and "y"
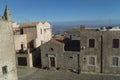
{"x": 100, "y": 50}
{"x": 23, "y": 55}
{"x": 37, "y": 33}
{"x": 110, "y": 51}
{"x": 90, "y": 56}
{"x": 8, "y": 69}
{"x": 54, "y": 55}
{"x": 28, "y": 38}
{"x": 50, "y": 55}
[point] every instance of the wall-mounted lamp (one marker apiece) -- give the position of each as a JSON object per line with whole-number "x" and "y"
{"x": 82, "y": 47}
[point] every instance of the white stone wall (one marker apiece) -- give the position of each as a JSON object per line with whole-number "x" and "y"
{"x": 7, "y": 51}
{"x": 15, "y": 25}
{"x": 46, "y": 33}
{"x": 20, "y": 39}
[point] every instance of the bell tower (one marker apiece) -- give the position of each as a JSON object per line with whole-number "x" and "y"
{"x": 7, "y": 15}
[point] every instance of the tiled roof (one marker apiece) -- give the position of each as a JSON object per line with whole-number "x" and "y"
{"x": 59, "y": 40}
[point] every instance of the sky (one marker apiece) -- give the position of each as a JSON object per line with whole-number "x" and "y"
{"x": 62, "y": 10}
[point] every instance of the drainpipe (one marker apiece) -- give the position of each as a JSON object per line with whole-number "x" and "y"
{"x": 101, "y": 67}
{"x": 78, "y": 57}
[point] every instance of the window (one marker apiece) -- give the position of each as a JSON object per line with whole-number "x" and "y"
{"x": 71, "y": 57}
{"x": 91, "y": 60}
{"x": 22, "y": 46}
{"x": 41, "y": 31}
{"x": 115, "y": 43}
{"x": 51, "y": 49}
{"x": 21, "y": 31}
{"x": 115, "y": 61}
{"x": 4, "y": 69}
{"x": 91, "y": 43}
{"x": 22, "y": 61}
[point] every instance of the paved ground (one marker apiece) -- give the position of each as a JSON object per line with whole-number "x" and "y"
{"x": 25, "y": 73}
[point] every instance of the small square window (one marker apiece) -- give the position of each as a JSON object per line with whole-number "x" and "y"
{"x": 4, "y": 69}
{"x": 91, "y": 43}
{"x": 115, "y": 43}
{"x": 51, "y": 49}
{"x": 115, "y": 61}
{"x": 71, "y": 57}
{"x": 91, "y": 60}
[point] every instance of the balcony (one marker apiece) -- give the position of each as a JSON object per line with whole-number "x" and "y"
{"x": 22, "y": 51}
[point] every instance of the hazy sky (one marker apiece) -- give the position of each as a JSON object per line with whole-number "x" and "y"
{"x": 62, "y": 10}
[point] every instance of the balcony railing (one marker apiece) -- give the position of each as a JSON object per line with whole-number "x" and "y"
{"x": 22, "y": 51}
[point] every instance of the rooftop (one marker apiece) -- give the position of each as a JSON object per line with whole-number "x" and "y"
{"x": 31, "y": 24}
{"x": 59, "y": 40}
{"x": 73, "y": 30}
{"x": 28, "y": 24}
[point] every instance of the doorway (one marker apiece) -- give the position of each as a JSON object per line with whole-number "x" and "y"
{"x": 22, "y": 61}
{"x": 52, "y": 61}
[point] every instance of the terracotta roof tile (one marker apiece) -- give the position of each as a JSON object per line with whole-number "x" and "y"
{"x": 59, "y": 40}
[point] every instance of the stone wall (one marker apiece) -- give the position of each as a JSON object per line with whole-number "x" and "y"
{"x": 52, "y": 49}
{"x": 20, "y": 39}
{"x": 30, "y": 32}
{"x": 64, "y": 60}
{"x": 103, "y": 52}
{"x": 7, "y": 52}
{"x": 71, "y": 60}
{"x": 87, "y": 52}
{"x": 109, "y": 52}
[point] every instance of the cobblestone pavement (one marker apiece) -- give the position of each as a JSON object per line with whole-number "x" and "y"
{"x": 25, "y": 73}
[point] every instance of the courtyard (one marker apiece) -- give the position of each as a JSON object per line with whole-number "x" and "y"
{"x": 25, "y": 73}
